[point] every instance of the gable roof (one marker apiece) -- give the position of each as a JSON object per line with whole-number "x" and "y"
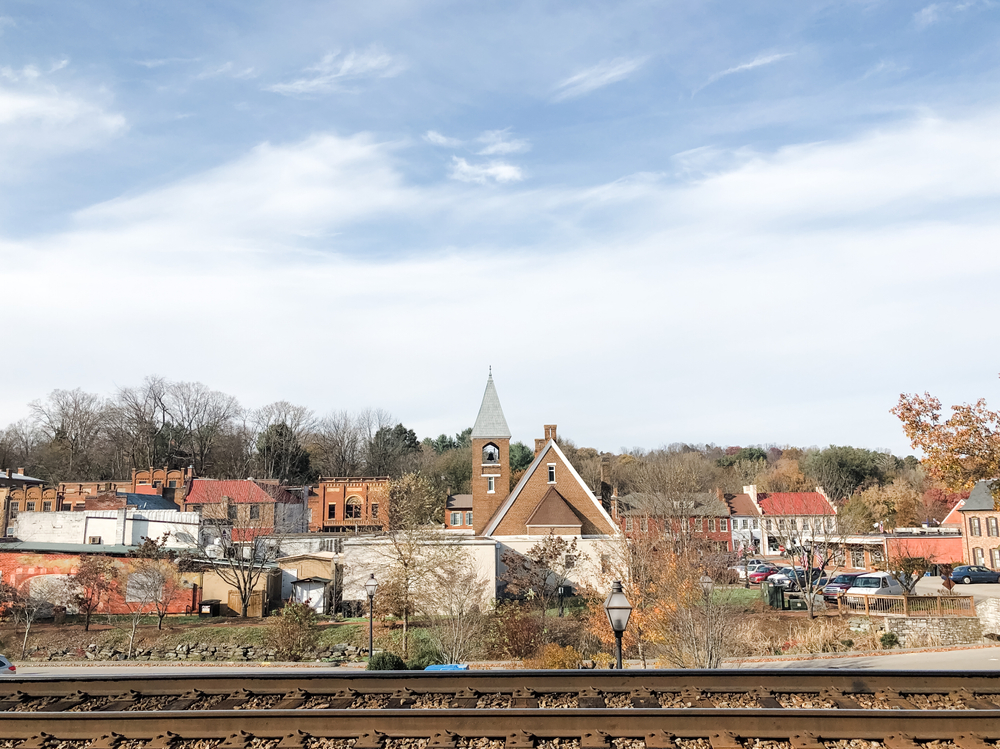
{"x": 981, "y": 498}
{"x": 509, "y": 502}
{"x": 794, "y": 503}
{"x": 458, "y": 502}
{"x": 687, "y": 504}
{"x": 954, "y": 516}
{"x": 741, "y": 504}
{"x": 239, "y": 491}
{"x": 490, "y": 422}
{"x": 553, "y": 510}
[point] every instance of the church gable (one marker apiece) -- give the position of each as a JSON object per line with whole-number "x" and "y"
{"x": 551, "y": 490}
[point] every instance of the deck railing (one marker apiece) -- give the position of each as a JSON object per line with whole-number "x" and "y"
{"x": 906, "y": 605}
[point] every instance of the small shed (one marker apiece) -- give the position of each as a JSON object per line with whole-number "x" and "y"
{"x": 314, "y": 592}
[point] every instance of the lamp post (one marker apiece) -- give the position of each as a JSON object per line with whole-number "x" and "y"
{"x": 618, "y": 610}
{"x": 371, "y": 585}
{"x": 707, "y": 586}
{"x": 562, "y": 592}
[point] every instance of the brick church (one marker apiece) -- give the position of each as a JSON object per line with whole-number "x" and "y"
{"x": 550, "y": 497}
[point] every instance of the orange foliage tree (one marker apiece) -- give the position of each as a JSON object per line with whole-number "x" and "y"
{"x": 959, "y": 450}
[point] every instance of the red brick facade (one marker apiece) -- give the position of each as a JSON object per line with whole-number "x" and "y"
{"x": 349, "y": 504}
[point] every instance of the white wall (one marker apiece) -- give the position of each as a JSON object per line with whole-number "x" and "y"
{"x": 112, "y": 526}
{"x": 585, "y": 571}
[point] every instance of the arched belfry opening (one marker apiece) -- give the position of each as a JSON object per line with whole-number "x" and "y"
{"x": 491, "y": 454}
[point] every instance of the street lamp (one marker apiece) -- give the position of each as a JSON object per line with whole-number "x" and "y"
{"x": 618, "y": 610}
{"x": 707, "y": 586}
{"x": 562, "y": 592}
{"x": 371, "y": 585}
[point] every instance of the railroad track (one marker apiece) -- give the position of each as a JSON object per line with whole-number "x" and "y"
{"x": 507, "y": 710}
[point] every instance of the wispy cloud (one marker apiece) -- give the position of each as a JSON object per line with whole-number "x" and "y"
{"x": 497, "y": 142}
{"x": 757, "y": 62}
{"x": 335, "y": 70}
{"x": 159, "y": 63}
{"x": 931, "y": 14}
{"x": 435, "y": 138}
{"x": 883, "y": 66}
{"x": 495, "y": 171}
{"x": 600, "y": 75}
{"x": 6, "y": 21}
{"x": 228, "y": 70}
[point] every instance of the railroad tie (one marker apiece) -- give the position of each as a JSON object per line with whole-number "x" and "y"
{"x": 401, "y": 699}
{"x": 186, "y": 700}
{"x": 295, "y": 740}
{"x": 725, "y": 740}
{"x": 765, "y": 698}
{"x": 595, "y": 740}
{"x": 443, "y": 740}
{"x": 971, "y": 741}
{"x": 235, "y": 699}
{"x": 70, "y": 700}
{"x": 292, "y": 699}
{"x": 972, "y": 701}
{"x": 894, "y": 699}
{"x": 239, "y": 740}
{"x": 9, "y": 703}
{"x": 165, "y": 740}
{"x": 41, "y": 740}
{"x": 370, "y": 740}
{"x": 107, "y": 741}
{"x": 590, "y": 697}
{"x": 467, "y": 698}
{"x": 342, "y": 699}
{"x": 660, "y": 739}
{"x": 900, "y": 741}
{"x": 119, "y": 703}
{"x": 806, "y": 740}
{"x": 837, "y": 698}
{"x": 524, "y": 698}
{"x": 519, "y": 740}
{"x": 695, "y": 698}
{"x": 642, "y": 697}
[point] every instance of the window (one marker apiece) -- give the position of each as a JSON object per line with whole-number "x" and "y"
{"x": 79, "y": 507}
{"x": 996, "y": 558}
{"x": 47, "y": 506}
{"x": 700, "y": 525}
{"x": 781, "y": 523}
{"x": 331, "y": 512}
{"x": 171, "y": 484}
{"x": 468, "y": 517}
{"x": 231, "y": 512}
{"x": 857, "y": 558}
{"x": 456, "y": 518}
{"x": 374, "y": 510}
{"x": 552, "y": 473}
{"x": 29, "y": 506}
{"x": 67, "y": 507}
{"x": 711, "y": 525}
{"x": 570, "y": 561}
{"x": 352, "y": 510}
{"x": 255, "y": 512}
{"x": 628, "y": 524}
{"x": 724, "y": 524}
{"x": 975, "y": 528}
{"x": 767, "y": 524}
{"x": 644, "y": 524}
{"x": 978, "y": 556}
{"x": 746, "y": 524}
{"x": 14, "y": 507}
{"x": 755, "y": 524}
{"x": 991, "y": 527}
{"x": 491, "y": 484}
{"x": 491, "y": 454}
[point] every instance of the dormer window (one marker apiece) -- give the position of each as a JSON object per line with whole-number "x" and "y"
{"x": 491, "y": 453}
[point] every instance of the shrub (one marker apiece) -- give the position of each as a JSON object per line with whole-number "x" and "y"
{"x": 294, "y": 632}
{"x": 889, "y": 640}
{"x": 515, "y": 632}
{"x": 425, "y": 653}
{"x": 385, "y": 662}
{"x": 556, "y": 656}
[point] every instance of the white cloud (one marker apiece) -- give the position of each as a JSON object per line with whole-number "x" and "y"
{"x": 598, "y": 76}
{"x": 496, "y": 171}
{"x": 931, "y": 14}
{"x": 754, "y": 63}
{"x": 228, "y": 70}
{"x": 497, "y": 142}
{"x": 435, "y": 138}
{"x": 335, "y": 70}
{"x": 159, "y": 63}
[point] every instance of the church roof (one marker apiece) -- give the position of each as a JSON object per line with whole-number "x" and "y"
{"x": 553, "y": 510}
{"x": 981, "y": 498}
{"x": 491, "y": 421}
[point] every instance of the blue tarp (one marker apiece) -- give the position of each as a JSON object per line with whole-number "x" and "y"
{"x": 448, "y": 667}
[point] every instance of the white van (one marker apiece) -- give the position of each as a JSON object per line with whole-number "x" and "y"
{"x": 875, "y": 584}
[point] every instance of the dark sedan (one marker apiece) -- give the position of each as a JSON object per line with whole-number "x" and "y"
{"x": 974, "y": 573}
{"x": 838, "y": 585}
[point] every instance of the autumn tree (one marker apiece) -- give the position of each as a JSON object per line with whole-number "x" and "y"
{"x": 959, "y": 450}
{"x": 23, "y": 608}
{"x": 90, "y": 586}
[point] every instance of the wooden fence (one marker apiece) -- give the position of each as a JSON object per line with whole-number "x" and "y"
{"x": 906, "y": 605}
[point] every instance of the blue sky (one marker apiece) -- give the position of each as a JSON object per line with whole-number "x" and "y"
{"x": 749, "y": 222}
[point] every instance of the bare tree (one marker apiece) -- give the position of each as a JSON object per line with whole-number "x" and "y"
{"x": 541, "y": 570}
{"x": 457, "y": 590}
{"x": 138, "y": 424}
{"x": 72, "y": 420}
{"x": 338, "y": 445}
{"x": 201, "y": 416}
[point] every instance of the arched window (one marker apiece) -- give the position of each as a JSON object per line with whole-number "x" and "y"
{"x": 352, "y": 509}
{"x": 491, "y": 453}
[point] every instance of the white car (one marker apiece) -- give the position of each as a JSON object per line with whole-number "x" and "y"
{"x": 6, "y": 667}
{"x": 875, "y": 584}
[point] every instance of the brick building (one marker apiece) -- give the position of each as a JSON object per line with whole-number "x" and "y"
{"x": 769, "y": 523}
{"x": 981, "y": 525}
{"x": 246, "y": 509}
{"x": 697, "y": 519}
{"x": 349, "y": 505}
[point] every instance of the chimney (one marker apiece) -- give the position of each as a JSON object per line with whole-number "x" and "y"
{"x": 752, "y": 491}
{"x": 550, "y": 432}
{"x": 9, "y": 472}
{"x": 539, "y": 444}
{"x": 605, "y": 470}
{"x": 20, "y": 470}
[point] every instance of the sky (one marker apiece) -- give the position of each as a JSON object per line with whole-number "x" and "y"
{"x": 689, "y": 221}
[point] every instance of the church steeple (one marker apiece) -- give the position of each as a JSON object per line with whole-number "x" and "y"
{"x": 490, "y": 458}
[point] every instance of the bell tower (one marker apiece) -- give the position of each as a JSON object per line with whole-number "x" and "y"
{"x": 490, "y": 459}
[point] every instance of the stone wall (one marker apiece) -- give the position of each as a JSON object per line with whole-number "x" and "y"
{"x": 196, "y": 652}
{"x": 989, "y": 614}
{"x": 915, "y": 632}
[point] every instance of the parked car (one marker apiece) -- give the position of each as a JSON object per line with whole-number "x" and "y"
{"x": 838, "y": 585}
{"x": 763, "y": 573}
{"x": 745, "y": 570}
{"x": 6, "y": 667}
{"x": 974, "y": 573}
{"x": 875, "y": 584}
{"x": 796, "y": 578}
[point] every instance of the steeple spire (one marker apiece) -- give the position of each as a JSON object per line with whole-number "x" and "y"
{"x": 490, "y": 422}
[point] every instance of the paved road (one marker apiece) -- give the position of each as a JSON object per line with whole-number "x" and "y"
{"x": 979, "y": 659}
{"x": 931, "y": 586}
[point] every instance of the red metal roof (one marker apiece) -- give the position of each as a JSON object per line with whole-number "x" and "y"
{"x": 239, "y": 491}
{"x": 794, "y": 503}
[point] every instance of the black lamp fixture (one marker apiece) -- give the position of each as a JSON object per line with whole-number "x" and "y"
{"x": 618, "y": 610}
{"x": 371, "y": 585}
